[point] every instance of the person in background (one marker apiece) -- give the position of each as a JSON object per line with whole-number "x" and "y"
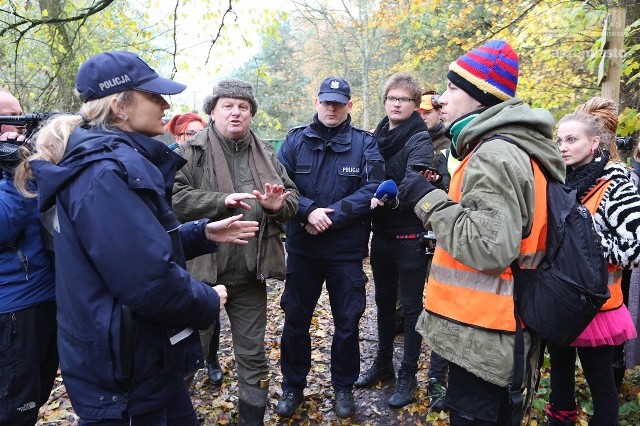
{"x": 337, "y": 169}
{"x": 126, "y": 306}
{"x": 398, "y": 262}
{"x": 631, "y": 290}
{"x": 431, "y": 112}
{"x": 493, "y": 201}
{"x": 586, "y": 140}
{"x": 185, "y": 126}
{"x": 28, "y": 352}
{"x": 230, "y": 170}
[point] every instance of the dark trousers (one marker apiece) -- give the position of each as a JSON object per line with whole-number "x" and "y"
{"x": 473, "y": 401}
{"x": 597, "y": 369}
{"x": 345, "y": 281}
{"x": 214, "y": 344}
{"x": 398, "y": 265}
{"x": 178, "y": 412}
{"x": 438, "y": 367}
{"x": 28, "y": 362}
{"x": 247, "y": 310}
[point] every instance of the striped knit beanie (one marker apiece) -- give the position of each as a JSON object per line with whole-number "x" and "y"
{"x": 489, "y": 74}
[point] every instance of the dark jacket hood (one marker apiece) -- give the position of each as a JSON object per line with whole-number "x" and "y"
{"x": 86, "y": 146}
{"x": 531, "y": 127}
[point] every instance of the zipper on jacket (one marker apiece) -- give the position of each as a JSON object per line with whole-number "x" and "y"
{"x": 13, "y": 324}
{"x": 25, "y": 262}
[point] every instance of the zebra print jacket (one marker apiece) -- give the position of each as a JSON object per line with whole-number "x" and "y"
{"x": 617, "y": 218}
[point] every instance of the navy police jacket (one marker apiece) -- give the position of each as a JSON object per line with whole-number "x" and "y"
{"x": 124, "y": 296}
{"x": 341, "y": 173}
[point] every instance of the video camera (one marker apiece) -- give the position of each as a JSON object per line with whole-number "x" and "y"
{"x": 10, "y": 149}
{"x": 624, "y": 143}
{"x": 30, "y": 121}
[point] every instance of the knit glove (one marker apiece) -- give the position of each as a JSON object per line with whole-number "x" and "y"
{"x": 413, "y": 188}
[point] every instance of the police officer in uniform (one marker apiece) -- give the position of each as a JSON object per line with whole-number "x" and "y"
{"x": 337, "y": 169}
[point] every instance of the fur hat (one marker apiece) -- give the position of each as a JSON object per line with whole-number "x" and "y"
{"x": 489, "y": 74}
{"x": 231, "y": 88}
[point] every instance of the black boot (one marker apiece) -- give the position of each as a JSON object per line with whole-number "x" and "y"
{"x": 288, "y": 403}
{"x": 376, "y": 372}
{"x": 214, "y": 371}
{"x": 252, "y": 404}
{"x": 250, "y": 415}
{"x": 405, "y": 387}
{"x": 437, "y": 391}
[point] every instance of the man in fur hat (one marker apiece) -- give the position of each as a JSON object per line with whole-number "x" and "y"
{"x": 230, "y": 171}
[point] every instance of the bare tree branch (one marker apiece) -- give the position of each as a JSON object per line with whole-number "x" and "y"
{"x": 213, "y": 42}
{"x": 32, "y": 23}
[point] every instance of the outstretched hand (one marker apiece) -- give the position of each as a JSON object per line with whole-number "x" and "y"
{"x": 231, "y": 230}
{"x": 236, "y": 200}
{"x": 273, "y": 198}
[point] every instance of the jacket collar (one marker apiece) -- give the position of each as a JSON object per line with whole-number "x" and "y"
{"x": 338, "y": 142}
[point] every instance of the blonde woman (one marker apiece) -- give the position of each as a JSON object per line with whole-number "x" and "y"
{"x": 127, "y": 308}
{"x": 586, "y": 140}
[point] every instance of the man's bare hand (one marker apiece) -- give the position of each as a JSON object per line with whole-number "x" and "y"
{"x": 13, "y": 137}
{"x": 319, "y": 220}
{"x": 231, "y": 230}
{"x": 235, "y": 200}
{"x": 222, "y": 294}
{"x": 273, "y": 198}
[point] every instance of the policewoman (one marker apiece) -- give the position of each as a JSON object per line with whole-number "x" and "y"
{"x": 127, "y": 308}
{"x": 337, "y": 169}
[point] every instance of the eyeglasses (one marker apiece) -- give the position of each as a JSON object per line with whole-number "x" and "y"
{"x": 393, "y": 100}
{"x": 188, "y": 133}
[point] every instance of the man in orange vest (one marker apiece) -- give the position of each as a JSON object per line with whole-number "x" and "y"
{"x": 495, "y": 213}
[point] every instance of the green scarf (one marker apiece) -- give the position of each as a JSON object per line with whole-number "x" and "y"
{"x": 457, "y": 127}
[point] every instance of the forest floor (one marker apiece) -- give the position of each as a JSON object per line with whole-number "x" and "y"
{"x": 218, "y": 406}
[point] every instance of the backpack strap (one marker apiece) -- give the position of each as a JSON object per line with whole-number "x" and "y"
{"x": 594, "y": 190}
{"x": 514, "y": 389}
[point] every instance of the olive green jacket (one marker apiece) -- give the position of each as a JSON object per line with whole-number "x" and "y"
{"x": 484, "y": 229}
{"x": 195, "y": 195}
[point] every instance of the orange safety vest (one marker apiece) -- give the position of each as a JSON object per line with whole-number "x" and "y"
{"x": 466, "y": 295}
{"x": 591, "y": 201}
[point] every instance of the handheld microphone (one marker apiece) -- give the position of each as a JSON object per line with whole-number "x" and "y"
{"x": 386, "y": 191}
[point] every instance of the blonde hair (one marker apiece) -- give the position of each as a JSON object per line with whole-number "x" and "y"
{"x": 600, "y": 117}
{"x": 51, "y": 140}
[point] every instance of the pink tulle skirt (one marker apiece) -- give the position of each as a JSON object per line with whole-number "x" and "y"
{"x": 608, "y": 328}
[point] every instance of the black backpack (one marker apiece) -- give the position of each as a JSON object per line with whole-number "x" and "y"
{"x": 558, "y": 299}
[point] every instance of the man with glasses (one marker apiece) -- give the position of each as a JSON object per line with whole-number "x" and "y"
{"x": 337, "y": 169}
{"x": 399, "y": 264}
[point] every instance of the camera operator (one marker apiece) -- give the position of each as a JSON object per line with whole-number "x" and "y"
{"x": 9, "y": 105}
{"x": 28, "y": 352}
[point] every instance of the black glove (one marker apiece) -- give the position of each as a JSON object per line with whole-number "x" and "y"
{"x": 413, "y": 188}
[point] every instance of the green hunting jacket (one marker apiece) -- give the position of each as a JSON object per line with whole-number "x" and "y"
{"x": 195, "y": 196}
